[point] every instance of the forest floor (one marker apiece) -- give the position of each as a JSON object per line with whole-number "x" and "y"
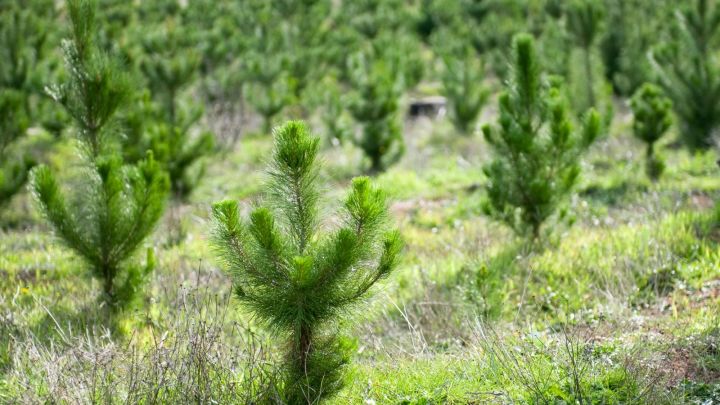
{"x": 622, "y": 306}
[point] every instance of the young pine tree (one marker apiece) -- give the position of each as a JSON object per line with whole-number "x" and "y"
{"x": 463, "y": 88}
{"x": 374, "y": 104}
{"x": 25, "y": 30}
{"x": 170, "y": 65}
{"x": 587, "y": 85}
{"x": 300, "y": 283}
{"x": 13, "y": 124}
{"x": 537, "y": 150}
{"x": 652, "y": 119}
{"x": 114, "y": 207}
{"x": 689, "y": 73}
{"x": 267, "y": 65}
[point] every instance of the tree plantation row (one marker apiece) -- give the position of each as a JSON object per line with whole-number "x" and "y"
{"x": 134, "y": 79}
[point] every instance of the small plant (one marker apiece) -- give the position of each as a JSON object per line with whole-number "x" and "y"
{"x": 652, "y": 119}
{"x": 688, "y": 71}
{"x": 374, "y": 105}
{"x": 537, "y": 151}
{"x": 115, "y": 207}
{"x": 298, "y": 283}
{"x": 462, "y": 86}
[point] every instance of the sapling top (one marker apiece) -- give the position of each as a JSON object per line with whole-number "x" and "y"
{"x": 536, "y": 149}
{"x": 115, "y": 207}
{"x": 295, "y": 280}
{"x": 652, "y": 119}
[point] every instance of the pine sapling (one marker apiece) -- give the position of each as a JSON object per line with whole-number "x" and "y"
{"x": 463, "y": 88}
{"x": 170, "y": 66}
{"x": 25, "y": 29}
{"x": 267, "y": 66}
{"x": 13, "y": 124}
{"x": 585, "y": 21}
{"x": 296, "y": 281}
{"x": 374, "y": 104}
{"x": 688, "y": 71}
{"x": 115, "y": 206}
{"x": 537, "y": 150}
{"x": 652, "y": 119}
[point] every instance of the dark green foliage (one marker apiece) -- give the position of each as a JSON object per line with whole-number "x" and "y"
{"x": 463, "y": 87}
{"x": 298, "y": 283}
{"x": 536, "y": 149}
{"x": 374, "y": 105}
{"x": 113, "y": 207}
{"x": 652, "y": 119}
{"x": 688, "y": 71}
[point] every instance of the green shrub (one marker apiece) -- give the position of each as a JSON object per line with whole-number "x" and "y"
{"x": 688, "y": 71}
{"x": 537, "y": 151}
{"x": 297, "y": 282}
{"x": 115, "y": 207}
{"x": 652, "y": 119}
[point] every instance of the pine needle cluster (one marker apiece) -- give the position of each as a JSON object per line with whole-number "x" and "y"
{"x": 299, "y": 283}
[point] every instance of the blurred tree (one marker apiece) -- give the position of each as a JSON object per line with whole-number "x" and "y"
{"x": 625, "y": 43}
{"x": 13, "y": 124}
{"x": 269, "y": 85}
{"x": 689, "y": 72}
{"x": 537, "y": 151}
{"x": 25, "y": 60}
{"x": 463, "y": 87}
{"x": 652, "y": 118}
{"x": 374, "y": 102}
{"x": 297, "y": 283}
{"x": 114, "y": 207}
{"x": 585, "y": 19}
{"x": 169, "y": 65}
